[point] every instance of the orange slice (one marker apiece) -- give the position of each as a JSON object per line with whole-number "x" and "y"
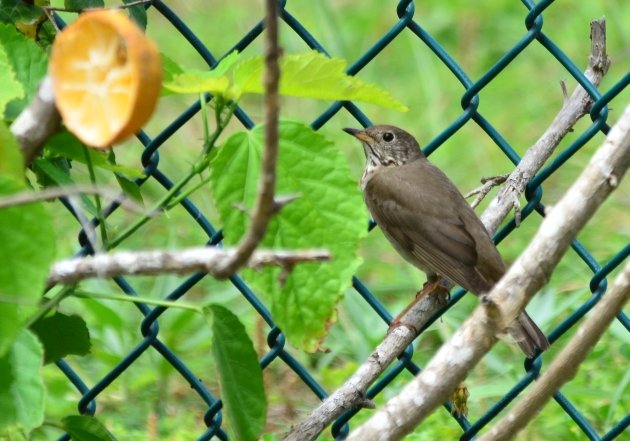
{"x": 106, "y": 77}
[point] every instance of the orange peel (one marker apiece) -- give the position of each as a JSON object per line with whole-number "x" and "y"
{"x": 106, "y": 77}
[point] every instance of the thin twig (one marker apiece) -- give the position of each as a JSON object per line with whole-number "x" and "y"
{"x": 121, "y": 6}
{"x": 508, "y": 297}
{"x": 265, "y": 205}
{"x": 566, "y": 364}
{"x": 86, "y": 225}
{"x": 206, "y": 259}
{"x": 348, "y": 395}
{"x": 51, "y": 193}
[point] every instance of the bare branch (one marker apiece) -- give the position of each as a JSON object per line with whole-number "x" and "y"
{"x": 265, "y": 205}
{"x": 86, "y": 225}
{"x": 50, "y": 193}
{"x": 565, "y": 366}
{"x": 573, "y": 109}
{"x": 206, "y": 259}
{"x": 352, "y": 391}
{"x": 509, "y": 296}
{"x": 37, "y": 122}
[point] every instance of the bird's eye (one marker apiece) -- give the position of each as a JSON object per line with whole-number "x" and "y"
{"x": 388, "y": 136}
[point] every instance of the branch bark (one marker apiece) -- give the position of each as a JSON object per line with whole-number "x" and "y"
{"x": 509, "y": 296}
{"x": 573, "y": 109}
{"x": 50, "y": 193}
{"x": 352, "y": 392}
{"x": 566, "y": 364}
{"x": 265, "y": 204}
{"x": 206, "y": 259}
{"x": 37, "y": 122}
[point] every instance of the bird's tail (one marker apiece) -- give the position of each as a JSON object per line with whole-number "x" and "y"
{"x": 528, "y": 335}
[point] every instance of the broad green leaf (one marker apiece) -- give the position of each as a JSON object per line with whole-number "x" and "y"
{"x": 28, "y": 61}
{"x": 180, "y": 80}
{"x": 28, "y": 248}
{"x": 311, "y": 75}
{"x": 329, "y": 214}
{"x": 11, "y": 88}
{"x": 21, "y": 385}
{"x": 79, "y": 5}
{"x": 197, "y": 81}
{"x": 11, "y": 159}
{"x": 62, "y": 335}
{"x": 86, "y": 428}
{"x": 240, "y": 376}
{"x": 66, "y": 145}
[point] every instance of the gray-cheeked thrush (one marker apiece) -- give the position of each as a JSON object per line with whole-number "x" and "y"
{"x": 429, "y": 222}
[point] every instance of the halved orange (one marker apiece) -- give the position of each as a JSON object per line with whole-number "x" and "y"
{"x": 106, "y": 77}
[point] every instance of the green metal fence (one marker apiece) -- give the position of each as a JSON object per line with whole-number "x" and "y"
{"x": 407, "y": 21}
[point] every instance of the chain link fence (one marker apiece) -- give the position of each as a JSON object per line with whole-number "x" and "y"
{"x": 408, "y": 21}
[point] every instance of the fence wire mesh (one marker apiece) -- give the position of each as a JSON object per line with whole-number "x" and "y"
{"x": 406, "y": 20}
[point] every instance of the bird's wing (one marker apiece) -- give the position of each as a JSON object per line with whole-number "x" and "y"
{"x": 430, "y": 224}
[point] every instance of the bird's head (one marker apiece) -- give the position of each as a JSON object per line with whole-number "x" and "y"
{"x": 387, "y": 145}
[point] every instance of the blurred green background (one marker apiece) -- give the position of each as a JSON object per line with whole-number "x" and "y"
{"x": 520, "y": 103}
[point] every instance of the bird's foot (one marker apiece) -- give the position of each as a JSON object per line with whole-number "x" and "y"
{"x": 487, "y": 184}
{"x": 434, "y": 286}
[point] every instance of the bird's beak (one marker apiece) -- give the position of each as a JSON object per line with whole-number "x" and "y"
{"x": 360, "y": 135}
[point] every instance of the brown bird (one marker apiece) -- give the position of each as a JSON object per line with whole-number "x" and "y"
{"x": 429, "y": 222}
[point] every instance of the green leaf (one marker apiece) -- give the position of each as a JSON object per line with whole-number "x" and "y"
{"x": 65, "y": 144}
{"x": 86, "y": 428}
{"x": 28, "y": 248}
{"x": 27, "y": 60}
{"x": 21, "y": 384}
{"x": 240, "y": 376}
{"x": 18, "y": 11}
{"x": 130, "y": 188}
{"x": 312, "y": 75}
{"x": 50, "y": 172}
{"x": 54, "y": 171}
{"x": 138, "y": 14}
{"x": 79, "y": 5}
{"x": 329, "y": 214}
{"x": 197, "y": 81}
{"x": 180, "y": 80}
{"x": 11, "y": 159}
{"x": 62, "y": 335}
{"x": 11, "y": 88}
{"x": 169, "y": 70}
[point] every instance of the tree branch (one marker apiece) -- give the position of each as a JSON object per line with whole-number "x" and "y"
{"x": 206, "y": 259}
{"x": 572, "y": 110}
{"x": 566, "y": 364}
{"x": 265, "y": 205}
{"x": 50, "y": 193}
{"x": 350, "y": 394}
{"x": 37, "y": 122}
{"x": 509, "y": 296}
